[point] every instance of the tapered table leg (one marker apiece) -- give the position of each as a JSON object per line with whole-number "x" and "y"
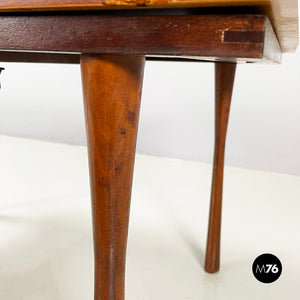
{"x": 112, "y": 90}
{"x": 224, "y": 80}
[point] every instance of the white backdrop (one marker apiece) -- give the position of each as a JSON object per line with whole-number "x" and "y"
{"x": 44, "y": 101}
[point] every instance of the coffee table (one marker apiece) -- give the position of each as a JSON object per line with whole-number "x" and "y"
{"x": 111, "y": 39}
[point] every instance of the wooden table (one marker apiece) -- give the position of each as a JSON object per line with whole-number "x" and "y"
{"x": 111, "y": 39}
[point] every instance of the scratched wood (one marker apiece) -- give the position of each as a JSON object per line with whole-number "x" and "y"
{"x": 282, "y": 13}
{"x": 223, "y": 37}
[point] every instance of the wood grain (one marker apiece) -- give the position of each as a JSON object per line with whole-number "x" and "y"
{"x": 224, "y": 79}
{"x": 112, "y": 91}
{"x": 282, "y": 13}
{"x": 202, "y": 36}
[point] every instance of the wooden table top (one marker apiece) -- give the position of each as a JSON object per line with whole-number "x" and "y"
{"x": 282, "y": 13}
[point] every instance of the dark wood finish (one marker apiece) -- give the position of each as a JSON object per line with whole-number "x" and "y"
{"x": 112, "y": 90}
{"x": 225, "y": 37}
{"x": 38, "y": 57}
{"x": 224, "y": 80}
{"x": 283, "y": 13}
{"x": 112, "y": 49}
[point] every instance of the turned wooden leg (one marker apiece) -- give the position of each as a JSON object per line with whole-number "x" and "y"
{"x": 224, "y": 79}
{"x": 112, "y": 88}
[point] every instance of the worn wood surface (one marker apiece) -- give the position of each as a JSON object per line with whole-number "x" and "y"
{"x": 112, "y": 88}
{"x": 282, "y": 13}
{"x": 224, "y": 79}
{"x": 209, "y": 37}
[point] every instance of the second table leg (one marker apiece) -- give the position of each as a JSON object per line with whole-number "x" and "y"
{"x": 224, "y": 80}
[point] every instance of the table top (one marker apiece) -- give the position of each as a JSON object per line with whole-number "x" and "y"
{"x": 282, "y": 13}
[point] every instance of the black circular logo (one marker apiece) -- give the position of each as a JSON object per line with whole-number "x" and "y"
{"x": 267, "y": 268}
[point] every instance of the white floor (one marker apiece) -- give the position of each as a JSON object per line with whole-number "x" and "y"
{"x": 45, "y": 228}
